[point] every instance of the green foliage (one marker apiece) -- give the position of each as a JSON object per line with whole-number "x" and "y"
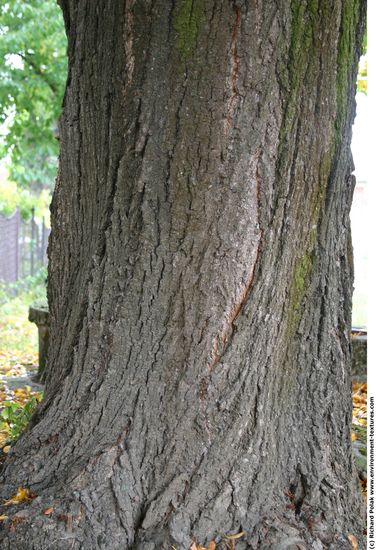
{"x": 32, "y": 79}
{"x": 362, "y": 75}
{"x": 11, "y": 196}
{"x": 17, "y": 417}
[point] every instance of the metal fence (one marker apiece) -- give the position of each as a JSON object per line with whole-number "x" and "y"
{"x": 23, "y": 246}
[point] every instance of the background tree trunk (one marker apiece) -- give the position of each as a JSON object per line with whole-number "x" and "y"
{"x": 200, "y": 282}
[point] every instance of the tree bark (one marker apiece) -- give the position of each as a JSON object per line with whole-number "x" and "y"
{"x": 200, "y": 283}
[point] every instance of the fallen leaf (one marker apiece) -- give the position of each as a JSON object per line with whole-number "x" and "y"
{"x": 22, "y": 495}
{"x": 235, "y": 537}
{"x": 358, "y": 398}
{"x": 194, "y": 546}
{"x": 3, "y": 518}
{"x": 354, "y": 542}
{"x": 212, "y": 545}
{"x": 48, "y": 511}
{"x": 6, "y": 449}
{"x": 3, "y": 439}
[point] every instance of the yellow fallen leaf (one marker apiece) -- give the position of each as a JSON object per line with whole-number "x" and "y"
{"x": 3, "y": 518}
{"x": 358, "y": 398}
{"x": 212, "y": 545}
{"x": 6, "y": 449}
{"x": 22, "y": 495}
{"x": 354, "y": 542}
{"x": 234, "y": 537}
{"x": 48, "y": 511}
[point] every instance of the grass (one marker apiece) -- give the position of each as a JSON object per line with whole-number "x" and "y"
{"x": 17, "y": 334}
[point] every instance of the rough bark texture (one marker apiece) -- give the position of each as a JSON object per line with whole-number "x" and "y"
{"x": 200, "y": 282}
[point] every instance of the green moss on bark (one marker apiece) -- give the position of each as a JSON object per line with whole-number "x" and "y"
{"x": 301, "y": 40}
{"x": 304, "y": 22}
{"x": 300, "y": 279}
{"x": 345, "y": 58}
{"x": 187, "y": 20}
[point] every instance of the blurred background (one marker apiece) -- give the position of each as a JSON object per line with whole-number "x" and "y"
{"x": 360, "y": 210}
{"x": 33, "y": 68}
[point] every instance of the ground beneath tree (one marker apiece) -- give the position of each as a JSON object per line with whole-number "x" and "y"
{"x": 359, "y": 431}
{"x": 17, "y": 388}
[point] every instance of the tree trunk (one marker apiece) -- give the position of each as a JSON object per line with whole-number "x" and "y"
{"x": 200, "y": 283}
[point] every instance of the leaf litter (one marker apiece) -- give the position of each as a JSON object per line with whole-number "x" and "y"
{"x": 359, "y": 422}
{"x": 16, "y": 403}
{"x": 22, "y": 495}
